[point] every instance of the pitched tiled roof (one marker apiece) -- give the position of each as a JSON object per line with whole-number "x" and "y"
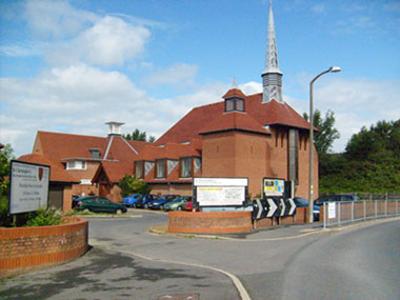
{"x": 170, "y": 150}
{"x": 234, "y": 92}
{"x": 234, "y": 121}
{"x": 58, "y": 146}
{"x": 270, "y": 113}
{"x": 114, "y": 170}
{"x": 57, "y": 171}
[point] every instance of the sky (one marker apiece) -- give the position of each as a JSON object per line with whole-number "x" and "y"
{"x": 71, "y": 66}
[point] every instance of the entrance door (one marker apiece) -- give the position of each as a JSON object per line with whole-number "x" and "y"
{"x": 56, "y": 196}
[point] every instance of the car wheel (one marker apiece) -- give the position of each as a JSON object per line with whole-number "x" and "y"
{"x": 179, "y": 208}
{"x": 118, "y": 211}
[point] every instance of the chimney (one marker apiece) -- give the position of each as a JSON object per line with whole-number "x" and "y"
{"x": 114, "y": 128}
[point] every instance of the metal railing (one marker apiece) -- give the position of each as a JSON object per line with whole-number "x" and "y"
{"x": 340, "y": 213}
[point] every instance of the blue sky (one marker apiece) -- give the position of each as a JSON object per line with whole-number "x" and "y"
{"x": 72, "y": 65}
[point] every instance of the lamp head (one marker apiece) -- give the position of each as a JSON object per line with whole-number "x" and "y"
{"x": 335, "y": 69}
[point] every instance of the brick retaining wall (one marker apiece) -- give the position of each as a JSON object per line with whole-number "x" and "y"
{"x": 22, "y": 248}
{"x": 209, "y": 222}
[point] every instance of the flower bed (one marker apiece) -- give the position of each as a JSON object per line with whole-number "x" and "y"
{"x": 22, "y": 248}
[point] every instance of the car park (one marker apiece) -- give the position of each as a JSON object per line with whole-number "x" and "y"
{"x": 100, "y": 204}
{"x": 177, "y": 203}
{"x": 130, "y": 201}
{"x": 302, "y": 202}
{"x": 144, "y": 201}
{"x": 336, "y": 198}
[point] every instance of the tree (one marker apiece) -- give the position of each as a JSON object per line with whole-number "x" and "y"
{"x": 138, "y": 135}
{"x": 6, "y": 155}
{"x": 327, "y": 133}
{"x": 130, "y": 185}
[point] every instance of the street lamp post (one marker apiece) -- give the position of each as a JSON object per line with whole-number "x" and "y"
{"x": 333, "y": 69}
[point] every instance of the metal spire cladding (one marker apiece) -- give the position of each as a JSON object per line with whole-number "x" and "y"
{"x": 272, "y": 76}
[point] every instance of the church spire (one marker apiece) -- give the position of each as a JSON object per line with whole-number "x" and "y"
{"x": 272, "y": 76}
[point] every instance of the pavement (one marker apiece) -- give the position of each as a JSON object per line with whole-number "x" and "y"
{"x": 296, "y": 262}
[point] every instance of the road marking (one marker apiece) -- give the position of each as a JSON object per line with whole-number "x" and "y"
{"x": 244, "y": 295}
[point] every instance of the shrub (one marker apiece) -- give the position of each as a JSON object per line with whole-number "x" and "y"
{"x": 131, "y": 184}
{"x": 44, "y": 217}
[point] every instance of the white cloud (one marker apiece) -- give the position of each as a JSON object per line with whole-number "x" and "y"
{"x": 178, "y": 74}
{"x": 110, "y": 41}
{"x": 80, "y": 98}
{"x": 356, "y": 103}
{"x": 18, "y": 51}
{"x": 56, "y": 19}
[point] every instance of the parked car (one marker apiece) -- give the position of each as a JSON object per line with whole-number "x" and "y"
{"x": 100, "y": 204}
{"x": 76, "y": 199}
{"x": 130, "y": 201}
{"x": 336, "y": 198}
{"x": 188, "y": 205}
{"x": 177, "y": 203}
{"x": 144, "y": 201}
{"x": 302, "y": 202}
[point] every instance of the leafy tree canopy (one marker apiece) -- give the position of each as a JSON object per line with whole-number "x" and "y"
{"x": 138, "y": 135}
{"x": 327, "y": 133}
{"x": 130, "y": 185}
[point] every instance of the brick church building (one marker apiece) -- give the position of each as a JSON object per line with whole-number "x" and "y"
{"x": 253, "y": 136}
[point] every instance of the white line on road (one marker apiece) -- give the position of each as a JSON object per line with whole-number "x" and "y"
{"x": 244, "y": 295}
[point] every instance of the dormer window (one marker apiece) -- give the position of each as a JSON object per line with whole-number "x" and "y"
{"x": 234, "y": 104}
{"x": 76, "y": 165}
{"x": 95, "y": 153}
{"x": 234, "y": 100}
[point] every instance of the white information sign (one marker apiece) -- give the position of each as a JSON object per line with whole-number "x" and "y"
{"x": 220, "y": 191}
{"x": 331, "y": 210}
{"x": 273, "y": 187}
{"x": 29, "y": 187}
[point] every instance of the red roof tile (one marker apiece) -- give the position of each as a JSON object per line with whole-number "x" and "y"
{"x": 234, "y": 92}
{"x": 57, "y": 171}
{"x": 234, "y": 121}
{"x": 114, "y": 171}
{"x": 270, "y": 113}
{"x": 170, "y": 150}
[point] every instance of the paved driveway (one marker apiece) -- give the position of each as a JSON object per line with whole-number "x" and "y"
{"x": 129, "y": 263}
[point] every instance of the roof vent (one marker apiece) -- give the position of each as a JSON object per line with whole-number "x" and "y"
{"x": 114, "y": 128}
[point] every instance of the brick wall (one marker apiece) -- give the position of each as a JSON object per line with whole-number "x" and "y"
{"x": 67, "y": 198}
{"x": 23, "y": 248}
{"x": 179, "y": 189}
{"x": 239, "y": 154}
{"x": 209, "y": 222}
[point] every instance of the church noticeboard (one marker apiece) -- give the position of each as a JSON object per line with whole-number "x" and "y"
{"x": 273, "y": 187}
{"x": 29, "y": 188}
{"x": 220, "y": 191}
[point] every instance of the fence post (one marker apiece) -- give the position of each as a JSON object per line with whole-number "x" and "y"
{"x": 365, "y": 210}
{"x": 352, "y": 211}
{"x": 339, "y": 217}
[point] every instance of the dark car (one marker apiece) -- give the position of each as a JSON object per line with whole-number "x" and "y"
{"x": 336, "y": 198}
{"x": 100, "y": 204}
{"x": 302, "y": 202}
{"x": 144, "y": 201}
{"x": 76, "y": 199}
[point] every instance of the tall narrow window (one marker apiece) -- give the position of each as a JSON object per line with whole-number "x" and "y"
{"x": 139, "y": 169}
{"x": 160, "y": 168}
{"x": 186, "y": 167}
{"x": 293, "y": 155}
